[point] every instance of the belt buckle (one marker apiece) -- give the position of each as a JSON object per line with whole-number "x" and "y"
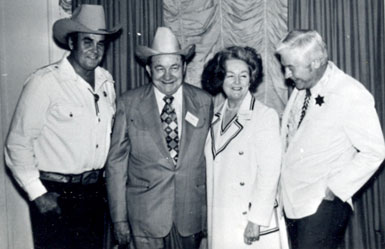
{"x": 90, "y": 177}
{"x": 76, "y": 179}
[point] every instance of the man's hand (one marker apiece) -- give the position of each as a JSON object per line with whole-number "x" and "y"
{"x": 122, "y": 233}
{"x": 329, "y": 195}
{"x": 48, "y": 203}
{"x": 251, "y": 233}
{"x": 204, "y": 243}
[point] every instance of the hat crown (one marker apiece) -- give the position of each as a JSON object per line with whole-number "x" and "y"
{"x": 91, "y": 16}
{"x": 165, "y": 41}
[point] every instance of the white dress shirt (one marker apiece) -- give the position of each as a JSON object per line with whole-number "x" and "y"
{"x": 339, "y": 144}
{"x": 56, "y": 126}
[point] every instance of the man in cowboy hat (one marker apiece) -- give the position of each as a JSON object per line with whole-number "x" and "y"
{"x": 156, "y": 167}
{"x": 60, "y": 135}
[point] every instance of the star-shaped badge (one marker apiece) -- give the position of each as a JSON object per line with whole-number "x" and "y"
{"x": 319, "y": 100}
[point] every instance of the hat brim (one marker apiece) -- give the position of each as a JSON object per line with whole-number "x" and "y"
{"x": 63, "y": 27}
{"x": 143, "y": 53}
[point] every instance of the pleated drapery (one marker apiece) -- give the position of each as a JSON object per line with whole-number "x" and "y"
{"x": 352, "y": 29}
{"x": 354, "y": 33}
{"x": 139, "y": 20}
{"x": 215, "y": 24}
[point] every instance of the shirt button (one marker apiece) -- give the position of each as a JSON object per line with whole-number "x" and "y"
{"x": 97, "y": 146}
{"x": 71, "y": 115}
{"x": 240, "y": 153}
{"x": 242, "y": 183}
{"x": 244, "y": 213}
{"x": 99, "y": 120}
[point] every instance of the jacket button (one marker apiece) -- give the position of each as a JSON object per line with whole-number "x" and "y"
{"x": 242, "y": 183}
{"x": 240, "y": 153}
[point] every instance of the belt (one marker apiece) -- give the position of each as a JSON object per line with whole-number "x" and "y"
{"x": 85, "y": 178}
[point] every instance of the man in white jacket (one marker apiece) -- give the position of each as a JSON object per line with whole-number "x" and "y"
{"x": 332, "y": 141}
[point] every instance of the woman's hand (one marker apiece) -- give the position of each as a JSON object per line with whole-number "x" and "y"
{"x": 251, "y": 233}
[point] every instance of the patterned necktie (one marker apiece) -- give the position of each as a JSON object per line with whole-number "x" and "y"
{"x": 170, "y": 126}
{"x": 304, "y": 106}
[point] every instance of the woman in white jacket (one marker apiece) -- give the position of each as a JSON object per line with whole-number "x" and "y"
{"x": 243, "y": 154}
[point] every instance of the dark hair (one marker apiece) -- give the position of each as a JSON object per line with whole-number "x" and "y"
{"x": 74, "y": 36}
{"x": 214, "y": 71}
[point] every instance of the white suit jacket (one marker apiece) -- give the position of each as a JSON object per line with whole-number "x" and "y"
{"x": 243, "y": 169}
{"x": 339, "y": 144}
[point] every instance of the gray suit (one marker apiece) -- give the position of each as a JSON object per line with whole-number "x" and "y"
{"x": 144, "y": 186}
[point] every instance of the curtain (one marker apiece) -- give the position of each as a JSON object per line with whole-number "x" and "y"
{"x": 215, "y": 24}
{"x": 139, "y": 20}
{"x": 354, "y": 33}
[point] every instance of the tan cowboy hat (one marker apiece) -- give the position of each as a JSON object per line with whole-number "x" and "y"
{"x": 165, "y": 42}
{"x": 87, "y": 18}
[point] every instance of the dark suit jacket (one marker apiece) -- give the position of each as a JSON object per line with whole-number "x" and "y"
{"x": 144, "y": 187}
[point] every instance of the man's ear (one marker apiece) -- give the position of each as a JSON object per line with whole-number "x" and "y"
{"x": 70, "y": 43}
{"x": 315, "y": 64}
{"x": 148, "y": 69}
{"x": 184, "y": 68}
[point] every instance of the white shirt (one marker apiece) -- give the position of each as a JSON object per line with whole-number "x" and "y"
{"x": 56, "y": 128}
{"x": 339, "y": 144}
{"x": 176, "y": 103}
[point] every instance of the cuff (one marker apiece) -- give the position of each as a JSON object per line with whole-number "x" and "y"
{"x": 35, "y": 189}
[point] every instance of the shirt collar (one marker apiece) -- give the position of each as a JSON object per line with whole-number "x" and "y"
{"x": 245, "y": 109}
{"x": 68, "y": 73}
{"x": 323, "y": 81}
{"x": 177, "y": 95}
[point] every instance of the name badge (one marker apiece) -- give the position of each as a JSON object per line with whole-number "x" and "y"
{"x": 192, "y": 119}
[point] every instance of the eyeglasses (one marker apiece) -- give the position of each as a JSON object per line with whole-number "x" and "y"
{"x": 96, "y": 99}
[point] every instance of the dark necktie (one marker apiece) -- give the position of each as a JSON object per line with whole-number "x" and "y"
{"x": 304, "y": 106}
{"x": 170, "y": 126}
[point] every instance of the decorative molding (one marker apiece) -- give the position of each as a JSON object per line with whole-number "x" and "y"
{"x": 66, "y": 5}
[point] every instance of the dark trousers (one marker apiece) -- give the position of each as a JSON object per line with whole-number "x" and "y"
{"x": 172, "y": 241}
{"x": 323, "y": 230}
{"x": 81, "y": 223}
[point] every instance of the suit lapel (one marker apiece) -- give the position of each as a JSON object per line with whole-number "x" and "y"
{"x": 190, "y": 111}
{"x": 148, "y": 109}
{"x": 285, "y": 120}
{"x": 221, "y": 138}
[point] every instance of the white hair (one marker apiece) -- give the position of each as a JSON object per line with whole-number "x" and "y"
{"x": 309, "y": 42}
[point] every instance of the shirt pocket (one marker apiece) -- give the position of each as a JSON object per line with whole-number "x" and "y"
{"x": 68, "y": 112}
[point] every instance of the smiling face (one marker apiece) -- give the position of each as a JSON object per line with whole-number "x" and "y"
{"x": 87, "y": 51}
{"x": 167, "y": 72}
{"x": 237, "y": 80}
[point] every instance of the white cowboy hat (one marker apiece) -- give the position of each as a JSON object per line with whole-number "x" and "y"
{"x": 165, "y": 42}
{"x": 87, "y": 18}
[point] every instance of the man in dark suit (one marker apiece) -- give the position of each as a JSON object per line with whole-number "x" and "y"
{"x": 156, "y": 166}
